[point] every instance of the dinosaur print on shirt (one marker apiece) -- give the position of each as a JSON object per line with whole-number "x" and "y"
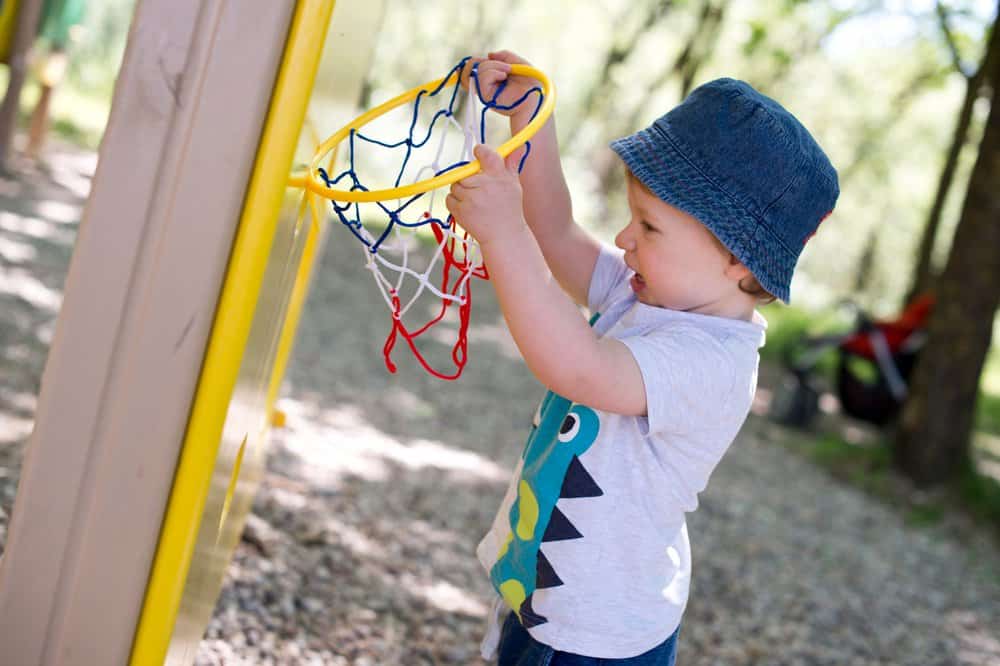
{"x": 551, "y": 470}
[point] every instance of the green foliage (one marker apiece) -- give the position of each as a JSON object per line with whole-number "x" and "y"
{"x": 758, "y": 33}
{"x": 924, "y": 515}
{"x": 96, "y": 55}
{"x": 870, "y": 468}
{"x": 865, "y": 370}
{"x": 789, "y": 326}
{"x": 988, "y": 412}
{"x": 981, "y": 493}
{"x": 786, "y": 325}
{"x": 818, "y": 58}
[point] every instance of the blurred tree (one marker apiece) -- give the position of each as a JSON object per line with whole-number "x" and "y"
{"x": 866, "y": 263}
{"x": 699, "y": 46}
{"x": 60, "y": 22}
{"x": 932, "y": 442}
{"x": 697, "y": 49}
{"x": 27, "y": 26}
{"x": 612, "y": 114}
{"x": 779, "y": 54}
{"x": 596, "y": 102}
{"x": 98, "y": 53}
{"x": 874, "y": 132}
{"x": 975, "y": 87}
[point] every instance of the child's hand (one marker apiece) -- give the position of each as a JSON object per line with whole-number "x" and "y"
{"x": 494, "y": 70}
{"x": 488, "y": 204}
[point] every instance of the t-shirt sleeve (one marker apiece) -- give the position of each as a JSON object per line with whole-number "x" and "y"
{"x": 688, "y": 375}
{"x": 608, "y": 280}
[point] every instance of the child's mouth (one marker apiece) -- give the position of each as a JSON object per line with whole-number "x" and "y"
{"x": 637, "y": 283}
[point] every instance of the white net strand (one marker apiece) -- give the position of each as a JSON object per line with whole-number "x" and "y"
{"x": 398, "y": 241}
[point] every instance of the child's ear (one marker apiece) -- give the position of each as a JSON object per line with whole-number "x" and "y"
{"x": 735, "y": 270}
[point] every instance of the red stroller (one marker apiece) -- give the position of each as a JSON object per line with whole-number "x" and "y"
{"x": 875, "y": 360}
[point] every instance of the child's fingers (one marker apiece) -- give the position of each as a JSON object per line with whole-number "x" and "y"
{"x": 473, "y": 182}
{"x": 494, "y": 65}
{"x": 489, "y": 160}
{"x": 463, "y": 186}
{"x": 466, "y": 72}
{"x": 491, "y": 77}
{"x": 507, "y": 57}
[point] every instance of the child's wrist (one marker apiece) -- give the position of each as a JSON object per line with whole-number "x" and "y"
{"x": 504, "y": 234}
{"x": 520, "y": 119}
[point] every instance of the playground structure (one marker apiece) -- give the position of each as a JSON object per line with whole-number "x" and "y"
{"x": 181, "y": 302}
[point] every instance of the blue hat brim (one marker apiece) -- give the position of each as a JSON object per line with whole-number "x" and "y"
{"x": 657, "y": 163}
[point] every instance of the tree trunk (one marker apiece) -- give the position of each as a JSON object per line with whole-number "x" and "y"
{"x": 599, "y": 92}
{"x": 28, "y": 14}
{"x": 935, "y": 428}
{"x": 874, "y": 134}
{"x": 697, "y": 49}
{"x": 701, "y": 45}
{"x": 923, "y": 271}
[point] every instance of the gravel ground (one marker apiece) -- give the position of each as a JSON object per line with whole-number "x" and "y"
{"x": 360, "y": 548}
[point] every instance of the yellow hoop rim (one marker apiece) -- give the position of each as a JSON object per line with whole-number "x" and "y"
{"x": 311, "y": 182}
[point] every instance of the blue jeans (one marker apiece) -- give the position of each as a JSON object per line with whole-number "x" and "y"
{"x": 518, "y": 648}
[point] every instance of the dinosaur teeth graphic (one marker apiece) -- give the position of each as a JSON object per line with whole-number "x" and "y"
{"x": 529, "y": 618}
{"x": 546, "y": 574}
{"x": 559, "y": 528}
{"x": 578, "y": 482}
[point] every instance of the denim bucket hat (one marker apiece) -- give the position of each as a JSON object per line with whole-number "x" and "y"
{"x": 745, "y": 168}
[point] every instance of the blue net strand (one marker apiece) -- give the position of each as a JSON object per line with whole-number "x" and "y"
{"x": 349, "y": 213}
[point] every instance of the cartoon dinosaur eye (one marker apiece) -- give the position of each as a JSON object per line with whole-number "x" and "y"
{"x": 570, "y": 428}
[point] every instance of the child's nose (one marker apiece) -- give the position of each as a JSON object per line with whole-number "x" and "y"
{"x": 624, "y": 239}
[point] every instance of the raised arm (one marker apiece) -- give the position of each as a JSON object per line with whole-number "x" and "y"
{"x": 561, "y": 350}
{"x": 568, "y": 249}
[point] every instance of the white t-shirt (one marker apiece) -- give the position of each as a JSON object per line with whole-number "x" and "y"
{"x": 590, "y": 544}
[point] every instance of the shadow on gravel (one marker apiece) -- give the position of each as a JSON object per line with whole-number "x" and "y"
{"x": 360, "y": 549}
{"x": 40, "y": 209}
{"x": 379, "y": 488}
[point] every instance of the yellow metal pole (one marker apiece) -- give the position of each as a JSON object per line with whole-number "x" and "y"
{"x": 227, "y": 343}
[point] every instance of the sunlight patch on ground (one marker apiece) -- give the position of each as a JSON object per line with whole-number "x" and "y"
{"x": 58, "y": 211}
{"x": 25, "y": 286}
{"x": 71, "y": 179}
{"x": 498, "y": 334}
{"x": 342, "y": 442}
{"x": 354, "y": 539}
{"x": 16, "y": 253}
{"x": 35, "y": 227}
{"x": 24, "y": 401}
{"x": 977, "y": 643}
{"x": 445, "y": 596}
{"x": 14, "y": 428}
{"x": 45, "y": 331}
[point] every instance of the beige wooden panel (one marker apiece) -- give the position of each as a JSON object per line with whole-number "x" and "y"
{"x": 139, "y": 300}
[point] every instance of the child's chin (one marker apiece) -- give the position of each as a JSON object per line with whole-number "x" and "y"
{"x": 638, "y": 286}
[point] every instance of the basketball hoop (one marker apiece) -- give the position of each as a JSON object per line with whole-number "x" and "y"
{"x": 422, "y": 158}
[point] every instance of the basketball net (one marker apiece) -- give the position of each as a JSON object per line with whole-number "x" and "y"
{"x": 437, "y": 141}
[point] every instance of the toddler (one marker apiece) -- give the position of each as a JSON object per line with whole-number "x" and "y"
{"x": 589, "y": 552}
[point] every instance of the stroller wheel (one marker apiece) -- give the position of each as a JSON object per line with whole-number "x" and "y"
{"x": 795, "y": 402}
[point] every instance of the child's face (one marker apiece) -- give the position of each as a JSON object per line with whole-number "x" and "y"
{"x": 678, "y": 262}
